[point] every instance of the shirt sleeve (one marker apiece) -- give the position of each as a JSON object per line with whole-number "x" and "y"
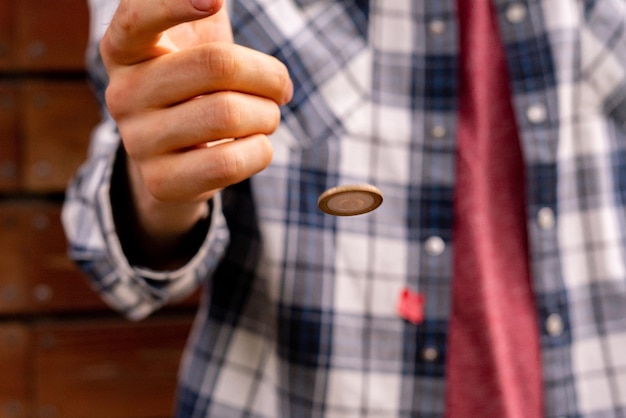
{"x": 88, "y": 217}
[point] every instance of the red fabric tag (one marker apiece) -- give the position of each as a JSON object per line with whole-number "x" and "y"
{"x": 411, "y": 306}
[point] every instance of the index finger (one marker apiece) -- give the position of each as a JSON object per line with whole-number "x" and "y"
{"x": 137, "y": 26}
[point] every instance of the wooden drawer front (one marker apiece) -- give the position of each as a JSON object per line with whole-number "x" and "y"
{"x": 104, "y": 369}
{"x": 15, "y": 357}
{"x": 7, "y": 35}
{"x": 37, "y": 275}
{"x": 37, "y": 35}
{"x": 14, "y": 290}
{"x": 9, "y": 178}
{"x": 57, "y": 120}
{"x": 56, "y": 283}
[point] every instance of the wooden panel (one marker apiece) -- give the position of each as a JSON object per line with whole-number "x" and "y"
{"x": 57, "y": 120}
{"x": 7, "y": 35}
{"x": 36, "y": 274}
{"x": 51, "y": 36}
{"x": 9, "y": 179}
{"x": 55, "y": 283}
{"x": 14, "y": 291}
{"x": 104, "y": 369}
{"x": 15, "y": 357}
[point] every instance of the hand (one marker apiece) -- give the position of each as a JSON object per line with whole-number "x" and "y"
{"x": 178, "y": 89}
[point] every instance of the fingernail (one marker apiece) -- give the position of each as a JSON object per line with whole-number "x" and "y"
{"x": 204, "y": 5}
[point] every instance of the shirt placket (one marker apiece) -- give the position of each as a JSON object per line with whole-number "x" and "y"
{"x": 430, "y": 59}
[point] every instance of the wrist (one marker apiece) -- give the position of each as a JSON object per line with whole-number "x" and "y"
{"x": 154, "y": 234}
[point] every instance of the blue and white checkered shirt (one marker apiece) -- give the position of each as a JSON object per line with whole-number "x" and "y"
{"x": 298, "y": 316}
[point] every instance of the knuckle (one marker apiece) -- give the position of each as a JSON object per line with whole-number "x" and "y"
{"x": 220, "y": 61}
{"x": 131, "y": 145}
{"x": 232, "y": 166}
{"x": 155, "y": 183}
{"x": 134, "y": 142}
{"x": 106, "y": 46}
{"x": 119, "y": 100}
{"x": 114, "y": 96}
{"x": 227, "y": 112}
{"x": 227, "y": 166}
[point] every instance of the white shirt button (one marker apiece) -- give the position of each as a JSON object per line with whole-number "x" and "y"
{"x": 437, "y": 26}
{"x": 536, "y": 113}
{"x": 430, "y": 354}
{"x": 516, "y": 13}
{"x": 545, "y": 218}
{"x": 434, "y": 245}
{"x": 554, "y": 325}
{"x": 438, "y": 131}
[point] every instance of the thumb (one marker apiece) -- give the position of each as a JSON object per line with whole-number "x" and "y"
{"x": 215, "y": 28}
{"x": 136, "y": 28}
{"x": 206, "y": 5}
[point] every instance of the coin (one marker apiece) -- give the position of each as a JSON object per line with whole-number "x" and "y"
{"x": 350, "y": 200}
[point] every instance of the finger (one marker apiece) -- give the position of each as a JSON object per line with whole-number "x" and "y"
{"x": 174, "y": 78}
{"x": 193, "y": 174}
{"x": 196, "y": 122}
{"x": 137, "y": 25}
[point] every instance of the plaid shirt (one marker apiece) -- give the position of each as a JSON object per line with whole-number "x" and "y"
{"x": 298, "y": 317}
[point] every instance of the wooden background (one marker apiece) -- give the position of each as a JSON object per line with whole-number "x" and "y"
{"x": 63, "y": 353}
